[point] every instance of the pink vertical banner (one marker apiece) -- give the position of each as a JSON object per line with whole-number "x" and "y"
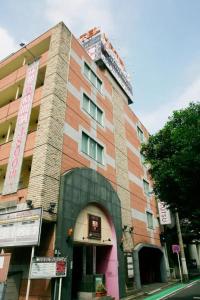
{"x": 17, "y": 150}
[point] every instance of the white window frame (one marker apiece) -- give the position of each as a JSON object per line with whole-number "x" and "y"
{"x": 88, "y": 149}
{"x": 89, "y": 77}
{"x": 140, "y": 134}
{"x": 150, "y": 226}
{"x": 145, "y": 191}
{"x": 96, "y": 109}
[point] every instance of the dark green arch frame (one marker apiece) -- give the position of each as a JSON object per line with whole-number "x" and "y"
{"x": 80, "y": 187}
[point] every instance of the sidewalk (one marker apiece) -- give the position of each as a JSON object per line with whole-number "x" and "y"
{"x": 148, "y": 290}
{"x": 171, "y": 290}
{"x": 156, "y": 291}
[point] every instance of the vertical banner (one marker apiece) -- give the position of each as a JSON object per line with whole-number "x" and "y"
{"x": 17, "y": 150}
{"x": 164, "y": 213}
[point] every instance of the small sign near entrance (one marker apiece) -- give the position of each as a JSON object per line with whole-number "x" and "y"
{"x": 94, "y": 227}
{"x": 48, "y": 267}
{"x": 175, "y": 249}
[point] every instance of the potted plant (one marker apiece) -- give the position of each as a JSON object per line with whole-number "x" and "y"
{"x": 101, "y": 290}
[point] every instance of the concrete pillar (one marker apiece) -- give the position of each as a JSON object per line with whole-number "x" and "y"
{"x": 198, "y": 251}
{"x": 194, "y": 254}
{"x": 163, "y": 270}
{"x": 136, "y": 269}
{"x": 166, "y": 261}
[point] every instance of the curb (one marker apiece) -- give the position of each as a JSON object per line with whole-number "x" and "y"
{"x": 180, "y": 286}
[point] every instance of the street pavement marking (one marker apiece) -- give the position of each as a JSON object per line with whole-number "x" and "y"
{"x": 178, "y": 290}
{"x": 154, "y": 291}
{"x": 196, "y": 297}
{"x": 172, "y": 291}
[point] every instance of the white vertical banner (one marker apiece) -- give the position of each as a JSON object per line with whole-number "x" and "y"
{"x": 17, "y": 149}
{"x": 164, "y": 213}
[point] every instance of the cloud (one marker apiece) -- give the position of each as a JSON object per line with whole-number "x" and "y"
{"x": 7, "y": 43}
{"x": 81, "y": 15}
{"x": 156, "y": 119}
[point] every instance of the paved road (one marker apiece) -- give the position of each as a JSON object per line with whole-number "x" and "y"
{"x": 192, "y": 292}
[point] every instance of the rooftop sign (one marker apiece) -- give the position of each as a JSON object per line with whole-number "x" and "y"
{"x": 100, "y": 50}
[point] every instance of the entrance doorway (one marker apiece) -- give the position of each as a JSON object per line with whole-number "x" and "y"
{"x": 150, "y": 265}
{"x": 88, "y": 261}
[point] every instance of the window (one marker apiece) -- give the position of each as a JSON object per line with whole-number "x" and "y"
{"x": 142, "y": 158}
{"x": 92, "y": 109}
{"x": 146, "y": 187}
{"x": 140, "y": 134}
{"x": 92, "y": 77}
{"x": 86, "y": 70}
{"x": 149, "y": 220}
{"x": 92, "y": 148}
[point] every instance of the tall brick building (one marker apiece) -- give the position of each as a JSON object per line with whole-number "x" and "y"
{"x": 80, "y": 163}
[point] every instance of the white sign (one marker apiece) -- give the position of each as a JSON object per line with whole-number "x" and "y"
{"x": 48, "y": 267}
{"x": 164, "y": 213}
{"x": 21, "y": 228}
{"x": 19, "y": 140}
{"x": 1, "y": 262}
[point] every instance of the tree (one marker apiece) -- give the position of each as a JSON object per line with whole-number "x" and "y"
{"x": 174, "y": 157}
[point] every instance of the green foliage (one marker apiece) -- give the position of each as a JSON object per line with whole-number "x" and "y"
{"x": 174, "y": 157}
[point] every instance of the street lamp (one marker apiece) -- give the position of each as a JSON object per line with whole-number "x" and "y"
{"x": 29, "y": 51}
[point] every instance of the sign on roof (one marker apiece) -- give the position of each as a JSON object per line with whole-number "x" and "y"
{"x": 100, "y": 49}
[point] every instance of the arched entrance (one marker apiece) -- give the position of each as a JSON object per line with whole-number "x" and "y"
{"x": 94, "y": 253}
{"x": 80, "y": 189}
{"x": 149, "y": 265}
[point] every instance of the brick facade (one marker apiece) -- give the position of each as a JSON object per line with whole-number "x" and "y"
{"x": 55, "y": 147}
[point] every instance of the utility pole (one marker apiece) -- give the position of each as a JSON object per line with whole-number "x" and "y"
{"x": 180, "y": 239}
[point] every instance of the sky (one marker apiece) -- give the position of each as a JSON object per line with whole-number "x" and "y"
{"x": 159, "y": 41}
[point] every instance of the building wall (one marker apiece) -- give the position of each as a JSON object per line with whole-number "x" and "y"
{"x": 122, "y": 160}
{"x": 53, "y": 145}
{"x": 78, "y": 120}
{"x": 45, "y": 172}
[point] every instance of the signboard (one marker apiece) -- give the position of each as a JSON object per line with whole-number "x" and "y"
{"x": 48, "y": 267}
{"x": 164, "y": 213}
{"x": 94, "y": 227}
{"x": 130, "y": 271}
{"x": 100, "y": 49}
{"x": 175, "y": 249}
{"x": 4, "y": 266}
{"x": 19, "y": 139}
{"x": 20, "y": 228}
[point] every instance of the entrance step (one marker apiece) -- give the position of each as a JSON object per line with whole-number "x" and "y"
{"x": 92, "y": 296}
{"x": 134, "y": 296}
{"x": 104, "y": 298}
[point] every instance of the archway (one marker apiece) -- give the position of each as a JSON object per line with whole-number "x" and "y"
{"x": 81, "y": 187}
{"x": 149, "y": 265}
{"x": 94, "y": 253}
